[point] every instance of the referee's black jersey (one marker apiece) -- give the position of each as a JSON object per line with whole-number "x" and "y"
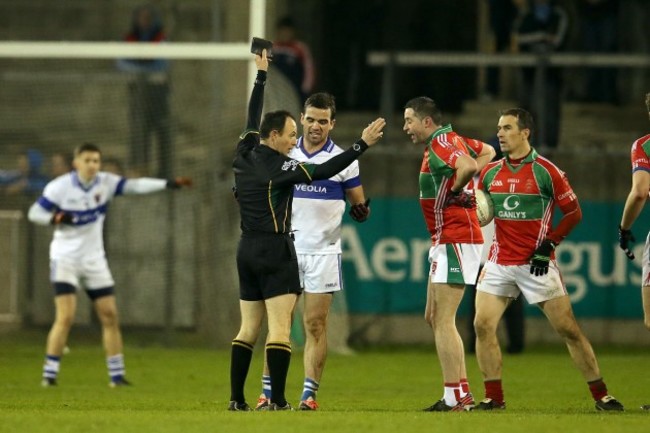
{"x": 264, "y": 179}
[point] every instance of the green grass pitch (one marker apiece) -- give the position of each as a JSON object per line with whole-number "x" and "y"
{"x": 186, "y": 390}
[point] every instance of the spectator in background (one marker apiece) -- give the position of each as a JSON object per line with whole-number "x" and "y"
{"x": 502, "y": 17}
{"x": 149, "y": 112}
{"x": 28, "y": 178}
{"x": 598, "y": 28}
{"x": 293, "y": 58}
{"x": 543, "y": 30}
{"x": 60, "y": 164}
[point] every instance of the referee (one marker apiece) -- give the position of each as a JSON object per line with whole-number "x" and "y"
{"x": 266, "y": 259}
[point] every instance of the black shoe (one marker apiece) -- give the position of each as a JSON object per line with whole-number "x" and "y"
{"x": 441, "y": 406}
{"x": 609, "y": 403}
{"x": 119, "y": 383}
{"x": 645, "y": 407}
{"x": 236, "y": 406}
{"x": 489, "y": 404}
{"x": 274, "y": 406}
{"x": 48, "y": 382}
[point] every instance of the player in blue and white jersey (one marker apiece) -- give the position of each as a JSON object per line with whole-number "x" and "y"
{"x": 76, "y": 203}
{"x": 317, "y": 212}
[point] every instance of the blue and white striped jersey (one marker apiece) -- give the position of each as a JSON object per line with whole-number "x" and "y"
{"x": 88, "y": 204}
{"x": 318, "y": 207}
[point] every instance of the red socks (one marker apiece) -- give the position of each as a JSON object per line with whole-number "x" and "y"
{"x": 494, "y": 390}
{"x": 598, "y": 389}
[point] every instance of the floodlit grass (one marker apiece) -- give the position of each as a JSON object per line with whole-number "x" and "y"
{"x": 379, "y": 390}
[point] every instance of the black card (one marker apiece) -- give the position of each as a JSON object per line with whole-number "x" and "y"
{"x": 259, "y": 44}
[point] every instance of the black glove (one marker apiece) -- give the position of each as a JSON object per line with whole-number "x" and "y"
{"x": 62, "y": 218}
{"x": 360, "y": 211}
{"x": 624, "y": 239}
{"x": 461, "y": 198}
{"x": 179, "y": 182}
{"x": 541, "y": 257}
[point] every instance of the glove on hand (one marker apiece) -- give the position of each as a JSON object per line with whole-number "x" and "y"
{"x": 624, "y": 239}
{"x": 360, "y": 211}
{"x": 62, "y": 218}
{"x": 461, "y": 198}
{"x": 179, "y": 182}
{"x": 541, "y": 257}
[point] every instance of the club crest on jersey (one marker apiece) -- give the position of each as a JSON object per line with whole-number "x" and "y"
{"x": 434, "y": 265}
{"x": 290, "y": 165}
{"x": 97, "y": 198}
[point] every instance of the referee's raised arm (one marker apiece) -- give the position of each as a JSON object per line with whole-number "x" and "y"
{"x": 257, "y": 96}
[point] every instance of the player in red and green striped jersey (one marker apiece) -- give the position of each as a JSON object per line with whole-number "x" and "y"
{"x": 446, "y": 196}
{"x": 633, "y": 206}
{"x": 526, "y": 188}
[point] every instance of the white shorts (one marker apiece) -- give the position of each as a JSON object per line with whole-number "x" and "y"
{"x": 89, "y": 274}
{"x": 645, "y": 277}
{"x": 511, "y": 280}
{"x": 320, "y": 273}
{"x": 455, "y": 263}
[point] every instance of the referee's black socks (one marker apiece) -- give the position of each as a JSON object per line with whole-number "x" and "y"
{"x": 278, "y": 357}
{"x": 240, "y": 361}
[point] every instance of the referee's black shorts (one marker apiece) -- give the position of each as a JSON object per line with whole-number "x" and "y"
{"x": 267, "y": 265}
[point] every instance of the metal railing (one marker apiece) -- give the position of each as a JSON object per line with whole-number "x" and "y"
{"x": 540, "y": 61}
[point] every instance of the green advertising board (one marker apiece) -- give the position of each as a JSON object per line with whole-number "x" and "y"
{"x": 385, "y": 262}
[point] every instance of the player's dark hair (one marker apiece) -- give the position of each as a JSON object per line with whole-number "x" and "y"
{"x": 423, "y": 107}
{"x": 322, "y": 101}
{"x": 647, "y": 101}
{"x": 524, "y": 118}
{"x": 86, "y": 147}
{"x": 274, "y": 121}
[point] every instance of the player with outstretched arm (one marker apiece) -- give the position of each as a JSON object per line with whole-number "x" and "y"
{"x": 76, "y": 203}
